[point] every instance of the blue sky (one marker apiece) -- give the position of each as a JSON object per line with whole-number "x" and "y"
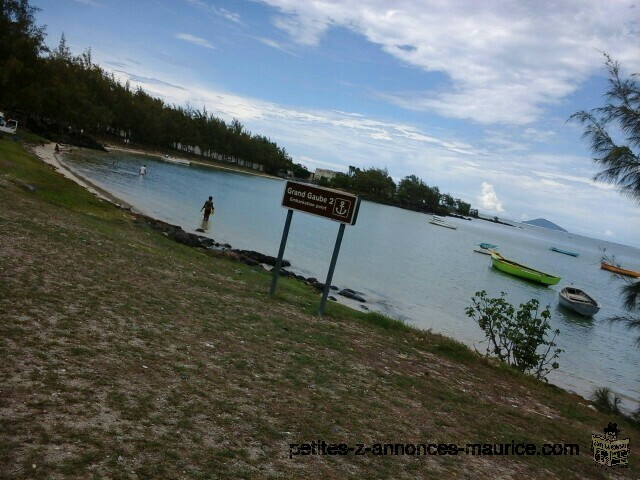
{"x": 470, "y": 96}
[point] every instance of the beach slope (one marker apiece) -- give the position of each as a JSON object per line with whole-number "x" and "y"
{"x": 127, "y": 355}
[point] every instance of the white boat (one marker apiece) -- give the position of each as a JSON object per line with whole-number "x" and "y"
{"x": 578, "y": 301}
{"x": 180, "y": 161}
{"x": 436, "y": 220}
{"x": 7, "y": 126}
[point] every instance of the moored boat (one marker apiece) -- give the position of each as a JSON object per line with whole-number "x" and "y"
{"x": 566, "y": 252}
{"x": 485, "y": 248}
{"x": 441, "y": 223}
{"x": 578, "y": 301}
{"x": 621, "y": 271}
{"x": 522, "y": 271}
{"x": 180, "y": 161}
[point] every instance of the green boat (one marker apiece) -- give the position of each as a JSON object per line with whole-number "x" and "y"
{"x": 528, "y": 273}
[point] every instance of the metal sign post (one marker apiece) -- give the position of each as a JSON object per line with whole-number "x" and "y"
{"x": 332, "y": 266}
{"x": 323, "y": 202}
{"x": 283, "y": 243}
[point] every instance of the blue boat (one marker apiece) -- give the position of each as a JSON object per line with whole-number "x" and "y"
{"x": 566, "y": 252}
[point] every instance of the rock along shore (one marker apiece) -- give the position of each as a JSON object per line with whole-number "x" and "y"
{"x": 249, "y": 257}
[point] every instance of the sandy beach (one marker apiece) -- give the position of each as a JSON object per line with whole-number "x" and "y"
{"x": 48, "y": 155}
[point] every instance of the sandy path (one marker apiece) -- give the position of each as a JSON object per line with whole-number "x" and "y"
{"x": 48, "y": 155}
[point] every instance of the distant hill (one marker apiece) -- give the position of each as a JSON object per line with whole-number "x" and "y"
{"x": 544, "y": 223}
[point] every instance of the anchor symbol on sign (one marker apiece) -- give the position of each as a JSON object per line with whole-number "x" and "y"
{"x": 341, "y": 209}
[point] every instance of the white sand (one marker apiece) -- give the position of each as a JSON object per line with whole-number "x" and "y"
{"x": 49, "y": 156}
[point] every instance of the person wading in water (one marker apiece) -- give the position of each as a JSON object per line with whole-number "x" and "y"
{"x": 208, "y": 208}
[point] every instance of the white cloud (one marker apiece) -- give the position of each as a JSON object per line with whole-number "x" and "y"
{"x": 495, "y": 54}
{"x": 335, "y": 139}
{"x": 551, "y": 183}
{"x": 575, "y": 179}
{"x": 217, "y": 11}
{"x": 488, "y": 199}
{"x": 609, "y": 233}
{"x": 193, "y": 39}
{"x": 275, "y": 44}
{"x": 304, "y": 30}
{"x": 539, "y": 136}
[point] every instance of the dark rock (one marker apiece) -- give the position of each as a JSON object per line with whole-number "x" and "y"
{"x": 359, "y": 298}
{"x": 346, "y": 293}
{"x": 331, "y": 297}
{"x": 200, "y": 230}
{"x": 185, "y": 238}
{"x": 363, "y": 307}
{"x": 206, "y": 241}
{"x": 333, "y": 287}
{"x": 312, "y": 280}
{"x": 249, "y": 261}
{"x": 318, "y": 286}
{"x": 260, "y": 257}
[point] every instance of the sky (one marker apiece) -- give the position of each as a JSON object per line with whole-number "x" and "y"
{"x": 470, "y": 96}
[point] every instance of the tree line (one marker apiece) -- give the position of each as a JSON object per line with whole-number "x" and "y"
{"x": 411, "y": 192}
{"x": 51, "y": 89}
{"x": 54, "y": 91}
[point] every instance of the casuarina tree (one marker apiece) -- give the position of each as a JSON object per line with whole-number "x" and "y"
{"x": 613, "y": 132}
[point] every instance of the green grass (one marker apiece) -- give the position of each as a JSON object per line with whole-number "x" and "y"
{"x": 118, "y": 358}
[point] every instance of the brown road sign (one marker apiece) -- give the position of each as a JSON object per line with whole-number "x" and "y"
{"x": 332, "y": 204}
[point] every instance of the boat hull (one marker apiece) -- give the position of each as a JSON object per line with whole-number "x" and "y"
{"x": 578, "y": 301}
{"x": 621, "y": 271}
{"x": 179, "y": 161}
{"x": 566, "y": 252}
{"x": 522, "y": 271}
{"x": 442, "y": 224}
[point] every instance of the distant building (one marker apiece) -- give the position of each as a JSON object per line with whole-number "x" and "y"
{"x": 321, "y": 173}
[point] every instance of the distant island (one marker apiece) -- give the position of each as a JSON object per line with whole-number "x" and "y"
{"x": 544, "y": 223}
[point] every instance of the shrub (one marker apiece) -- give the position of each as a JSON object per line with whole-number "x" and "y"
{"x": 518, "y": 338}
{"x": 604, "y": 402}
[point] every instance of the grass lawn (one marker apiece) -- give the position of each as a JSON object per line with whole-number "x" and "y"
{"x": 126, "y": 355}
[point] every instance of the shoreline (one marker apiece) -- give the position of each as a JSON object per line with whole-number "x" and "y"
{"x": 47, "y": 154}
{"x": 311, "y": 281}
{"x": 201, "y": 163}
{"x": 220, "y": 378}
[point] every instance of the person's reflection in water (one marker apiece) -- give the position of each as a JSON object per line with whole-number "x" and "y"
{"x": 204, "y": 225}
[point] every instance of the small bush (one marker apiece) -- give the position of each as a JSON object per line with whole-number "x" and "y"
{"x": 518, "y": 338}
{"x": 604, "y": 402}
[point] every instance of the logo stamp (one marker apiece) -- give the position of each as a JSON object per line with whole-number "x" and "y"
{"x": 608, "y": 450}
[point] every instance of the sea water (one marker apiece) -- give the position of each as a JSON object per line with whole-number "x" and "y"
{"x": 407, "y": 268}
